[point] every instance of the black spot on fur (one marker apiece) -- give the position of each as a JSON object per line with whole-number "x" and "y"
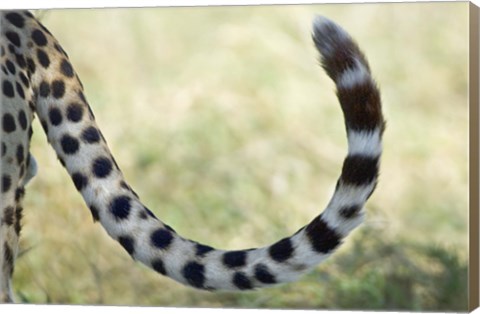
{"x": 20, "y": 91}
{"x": 6, "y": 183}
{"x": 7, "y": 89}
{"x": 95, "y": 213}
{"x": 241, "y": 281}
{"x": 24, "y": 79}
{"x": 281, "y": 251}
{"x": 43, "y": 58}
{"x": 194, "y": 273}
{"x": 120, "y": 207}
{"x": 22, "y": 119}
{"x": 128, "y": 244}
{"x": 234, "y": 259}
{"x": 74, "y": 112}
{"x": 91, "y": 135}
{"x": 13, "y": 38}
{"x": 55, "y": 116}
{"x": 39, "y": 37}
{"x": 101, "y": 167}
{"x": 69, "y": 144}
{"x": 322, "y": 238}
{"x": 79, "y": 180}
{"x": 58, "y": 89}
{"x": 161, "y": 238}
{"x": 10, "y": 67}
{"x": 8, "y": 123}
{"x": 15, "y": 19}
{"x": 20, "y": 60}
{"x": 66, "y": 68}
{"x": 44, "y": 89}
{"x": 8, "y": 216}
{"x": 158, "y": 266}
{"x": 262, "y": 274}
{"x": 20, "y": 154}
{"x": 202, "y": 249}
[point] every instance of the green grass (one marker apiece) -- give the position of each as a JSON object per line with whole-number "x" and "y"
{"x": 227, "y": 128}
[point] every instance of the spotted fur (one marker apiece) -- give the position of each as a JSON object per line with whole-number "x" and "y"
{"x": 37, "y": 78}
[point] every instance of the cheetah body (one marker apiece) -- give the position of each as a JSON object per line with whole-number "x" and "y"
{"x": 38, "y": 80}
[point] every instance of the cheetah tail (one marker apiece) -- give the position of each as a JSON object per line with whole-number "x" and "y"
{"x": 74, "y": 134}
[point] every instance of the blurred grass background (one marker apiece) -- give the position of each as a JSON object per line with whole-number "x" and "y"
{"x": 224, "y": 123}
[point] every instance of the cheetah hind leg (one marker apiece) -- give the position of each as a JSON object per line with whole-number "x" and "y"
{"x": 10, "y": 227}
{"x": 10, "y": 224}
